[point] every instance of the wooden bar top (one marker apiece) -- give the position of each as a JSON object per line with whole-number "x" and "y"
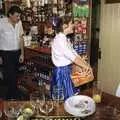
{"x": 108, "y": 109}
{"x": 39, "y": 49}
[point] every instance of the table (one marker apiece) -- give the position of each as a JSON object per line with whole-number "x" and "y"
{"x": 108, "y": 109}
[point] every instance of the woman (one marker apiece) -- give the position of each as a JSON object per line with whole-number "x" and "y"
{"x": 63, "y": 55}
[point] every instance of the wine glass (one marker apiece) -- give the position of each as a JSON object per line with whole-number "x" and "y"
{"x": 58, "y": 97}
{"x": 58, "y": 93}
{"x": 46, "y": 104}
{"x": 0, "y": 113}
{"x": 35, "y": 100}
{"x": 11, "y": 109}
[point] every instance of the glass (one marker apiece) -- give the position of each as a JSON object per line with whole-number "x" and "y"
{"x": 11, "y": 109}
{"x": 35, "y": 100}
{"x": 97, "y": 93}
{"x": 58, "y": 93}
{"x": 0, "y": 113}
{"x": 58, "y": 97}
{"x": 46, "y": 104}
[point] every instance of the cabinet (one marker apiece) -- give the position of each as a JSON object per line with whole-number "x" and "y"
{"x": 39, "y": 55}
{"x": 37, "y": 69}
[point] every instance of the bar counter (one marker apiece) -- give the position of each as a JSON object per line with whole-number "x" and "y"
{"x": 108, "y": 109}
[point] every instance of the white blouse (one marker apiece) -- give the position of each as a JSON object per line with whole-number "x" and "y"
{"x": 62, "y": 51}
{"x": 10, "y": 36}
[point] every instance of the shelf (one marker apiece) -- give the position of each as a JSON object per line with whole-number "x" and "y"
{"x": 112, "y": 1}
{"x": 40, "y": 56}
{"x": 26, "y": 85}
{"x": 40, "y": 50}
{"x": 42, "y": 64}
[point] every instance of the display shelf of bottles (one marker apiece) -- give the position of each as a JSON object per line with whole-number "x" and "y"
{"x": 40, "y": 56}
{"x": 33, "y": 74}
{"x": 46, "y": 63}
{"x": 81, "y": 11}
{"x": 26, "y": 84}
{"x": 36, "y": 69}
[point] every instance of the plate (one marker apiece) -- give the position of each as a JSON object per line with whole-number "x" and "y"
{"x": 80, "y": 105}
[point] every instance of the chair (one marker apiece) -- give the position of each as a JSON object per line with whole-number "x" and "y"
{"x": 118, "y": 91}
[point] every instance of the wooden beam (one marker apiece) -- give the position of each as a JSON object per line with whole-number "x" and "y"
{"x": 112, "y": 1}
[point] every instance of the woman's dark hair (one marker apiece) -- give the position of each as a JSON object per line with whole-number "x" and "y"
{"x": 14, "y": 9}
{"x": 61, "y": 22}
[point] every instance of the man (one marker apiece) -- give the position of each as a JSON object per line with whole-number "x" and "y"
{"x": 11, "y": 47}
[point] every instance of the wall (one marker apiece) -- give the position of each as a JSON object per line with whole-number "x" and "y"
{"x": 109, "y": 65}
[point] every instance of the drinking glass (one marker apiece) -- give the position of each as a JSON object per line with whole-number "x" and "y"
{"x": 0, "y": 113}
{"x": 11, "y": 109}
{"x": 58, "y": 93}
{"x": 58, "y": 97}
{"x": 46, "y": 104}
{"x": 35, "y": 100}
{"x": 97, "y": 93}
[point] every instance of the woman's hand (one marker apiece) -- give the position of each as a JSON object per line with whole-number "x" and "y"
{"x": 89, "y": 72}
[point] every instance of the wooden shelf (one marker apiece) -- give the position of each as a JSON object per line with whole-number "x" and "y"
{"x": 41, "y": 63}
{"x": 35, "y": 52}
{"x": 112, "y": 1}
{"x": 26, "y": 85}
{"x": 40, "y": 49}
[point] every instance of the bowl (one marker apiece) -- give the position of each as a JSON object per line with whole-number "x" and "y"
{"x": 80, "y": 105}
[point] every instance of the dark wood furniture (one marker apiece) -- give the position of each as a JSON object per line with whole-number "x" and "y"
{"x": 112, "y": 1}
{"x": 37, "y": 60}
{"x": 34, "y": 54}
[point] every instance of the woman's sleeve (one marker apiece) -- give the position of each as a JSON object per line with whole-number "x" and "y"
{"x": 67, "y": 50}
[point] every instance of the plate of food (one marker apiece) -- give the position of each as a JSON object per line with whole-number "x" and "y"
{"x": 80, "y": 105}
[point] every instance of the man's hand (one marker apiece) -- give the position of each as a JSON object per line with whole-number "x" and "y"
{"x": 21, "y": 58}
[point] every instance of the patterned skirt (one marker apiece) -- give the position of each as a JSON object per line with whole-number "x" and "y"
{"x": 61, "y": 78}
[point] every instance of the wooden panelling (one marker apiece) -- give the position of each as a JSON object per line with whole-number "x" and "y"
{"x": 108, "y": 65}
{"x": 112, "y": 1}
